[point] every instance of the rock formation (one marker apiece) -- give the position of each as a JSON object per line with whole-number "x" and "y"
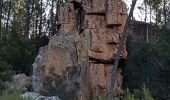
{"x": 37, "y": 96}
{"x": 77, "y": 63}
{"x": 19, "y": 82}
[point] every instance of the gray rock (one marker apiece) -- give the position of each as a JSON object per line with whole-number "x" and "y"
{"x": 20, "y": 82}
{"x": 31, "y": 95}
{"x": 116, "y": 98}
{"x": 37, "y": 96}
{"x": 36, "y": 77}
{"x": 48, "y": 98}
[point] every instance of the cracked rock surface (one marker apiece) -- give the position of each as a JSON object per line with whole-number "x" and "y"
{"x": 77, "y": 62}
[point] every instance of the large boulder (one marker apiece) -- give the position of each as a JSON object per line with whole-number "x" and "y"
{"x": 20, "y": 82}
{"x": 37, "y": 96}
{"x": 77, "y": 63}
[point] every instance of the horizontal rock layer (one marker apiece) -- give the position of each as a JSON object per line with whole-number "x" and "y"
{"x": 78, "y": 60}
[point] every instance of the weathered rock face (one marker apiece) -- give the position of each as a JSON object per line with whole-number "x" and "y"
{"x": 77, "y": 62}
{"x": 37, "y": 96}
{"x": 20, "y": 82}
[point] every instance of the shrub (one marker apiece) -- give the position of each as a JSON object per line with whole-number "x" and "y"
{"x": 13, "y": 96}
{"x": 129, "y": 95}
{"x": 146, "y": 94}
{"x": 102, "y": 97}
{"x": 149, "y": 64}
{"x": 4, "y": 71}
{"x": 5, "y": 74}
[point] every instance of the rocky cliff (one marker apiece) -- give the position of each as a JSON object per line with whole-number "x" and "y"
{"x": 77, "y": 63}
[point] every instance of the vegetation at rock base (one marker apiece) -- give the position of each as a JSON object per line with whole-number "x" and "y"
{"x": 27, "y": 25}
{"x": 129, "y": 95}
{"x": 146, "y": 94}
{"x": 143, "y": 94}
{"x": 13, "y": 96}
{"x": 5, "y": 73}
{"x": 149, "y": 64}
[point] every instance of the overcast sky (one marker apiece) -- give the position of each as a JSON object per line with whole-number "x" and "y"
{"x": 138, "y": 14}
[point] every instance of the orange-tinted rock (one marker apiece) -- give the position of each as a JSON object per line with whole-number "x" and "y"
{"x": 95, "y": 21}
{"x": 116, "y": 12}
{"x": 83, "y": 58}
{"x": 94, "y": 6}
{"x": 67, "y": 18}
{"x": 100, "y": 49}
{"x": 59, "y": 51}
{"x": 100, "y": 76}
{"x": 118, "y": 82}
{"x": 97, "y": 78}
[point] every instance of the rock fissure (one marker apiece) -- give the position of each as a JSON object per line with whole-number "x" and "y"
{"x": 80, "y": 57}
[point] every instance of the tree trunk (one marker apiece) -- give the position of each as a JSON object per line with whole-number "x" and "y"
{"x": 156, "y": 16}
{"x": 40, "y": 24}
{"x": 1, "y": 6}
{"x": 52, "y": 19}
{"x": 9, "y": 12}
{"x": 36, "y": 20}
{"x": 164, "y": 8}
{"x": 122, "y": 40}
{"x": 27, "y": 17}
{"x": 145, "y": 11}
{"x": 150, "y": 13}
{"x": 56, "y": 16}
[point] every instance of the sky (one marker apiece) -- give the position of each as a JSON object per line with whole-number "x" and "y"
{"x": 138, "y": 14}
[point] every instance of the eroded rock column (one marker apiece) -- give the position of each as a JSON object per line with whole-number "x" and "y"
{"x": 80, "y": 57}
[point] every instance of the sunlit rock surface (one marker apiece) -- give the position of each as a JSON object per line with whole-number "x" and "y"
{"x": 77, "y": 63}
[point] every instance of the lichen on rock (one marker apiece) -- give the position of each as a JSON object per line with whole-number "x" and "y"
{"x": 82, "y": 60}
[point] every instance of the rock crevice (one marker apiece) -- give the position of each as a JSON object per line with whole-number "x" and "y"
{"x": 78, "y": 60}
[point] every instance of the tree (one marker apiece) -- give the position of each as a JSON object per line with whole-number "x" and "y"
{"x": 4, "y": 71}
{"x": 52, "y": 19}
{"x": 149, "y": 64}
{"x": 27, "y": 17}
{"x": 8, "y": 16}
{"x": 120, "y": 48}
{"x": 1, "y": 6}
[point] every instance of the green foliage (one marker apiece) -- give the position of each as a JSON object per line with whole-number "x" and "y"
{"x": 149, "y": 64}
{"x": 143, "y": 95}
{"x": 153, "y": 2}
{"x": 19, "y": 53}
{"x": 129, "y": 95}
{"x": 164, "y": 43}
{"x": 146, "y": 94}
{"x": 13, "y": 96}
{"x": 4, "y": 71}
{"x": 102, "y": 97}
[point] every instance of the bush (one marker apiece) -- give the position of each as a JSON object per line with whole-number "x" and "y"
{"x": 5, "y": 74}
{"x": 146, "y": 94}
{"x": 102, "y": 97}
{"x": 13, "y": 96}
{"x": 5, "y": 71}
{"x": 149, "y": 64}
{"x": 129, "y": 95}
{"x": 19, "y": 53}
